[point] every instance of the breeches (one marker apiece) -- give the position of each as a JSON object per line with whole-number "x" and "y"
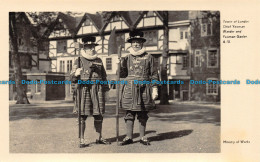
{"x": 141, "y": 115}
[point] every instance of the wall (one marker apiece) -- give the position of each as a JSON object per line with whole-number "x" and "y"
{"x": 203, "y": 42}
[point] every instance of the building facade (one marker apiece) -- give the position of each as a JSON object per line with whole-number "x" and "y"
{"x": 193, "y": 47}
{"x": 205, "y": 56}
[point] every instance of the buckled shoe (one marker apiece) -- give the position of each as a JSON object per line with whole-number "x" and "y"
{"x": 103, "y": 141}
{"x": 83, "y": 144}
{"x": 126, "y": 141}
{"x": 144, "y": 141}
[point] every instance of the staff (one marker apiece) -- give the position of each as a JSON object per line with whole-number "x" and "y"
{"x": 118, "y": 93}
{"x": 90, "y": 97}
{"x": 77, "y": 46}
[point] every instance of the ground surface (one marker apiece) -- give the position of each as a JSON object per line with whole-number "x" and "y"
{"x": 181, "y": 127}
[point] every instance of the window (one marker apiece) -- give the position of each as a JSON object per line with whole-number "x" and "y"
{"x": 212, "y": 58}
{"x": 197, "y": 58}
{"x": 176, "y": 59}
{"x": 151, "y": 38}
{"x": 38, "y": 87}
{"x": 69, "y": 65}
{"x": 184, "y": 61}
{"x": 109, "y": 63}
{"x": 181, "y": 35}
{"x": 206, "y": 29}
{"x": 186, "y": 35}
{"x": 62, "y": 46}
{"x": 62, "y": 66}
{"x": 209, "y": 29}
{"x": 212, "y": 89}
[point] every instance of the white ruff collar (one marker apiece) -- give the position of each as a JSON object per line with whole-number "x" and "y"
{"x": 137, "y": 53}
{"x": 87, "y": 56}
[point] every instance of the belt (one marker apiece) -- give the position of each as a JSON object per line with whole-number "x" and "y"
{"x": 134, "y": 77}
{"x": 91, "y": 79}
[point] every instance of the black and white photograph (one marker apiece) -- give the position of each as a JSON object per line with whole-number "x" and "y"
{"x": 136, "y": 81}
{"x": 139, "y": 80}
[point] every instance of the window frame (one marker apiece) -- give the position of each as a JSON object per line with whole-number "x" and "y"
{"x": 38, "y": 89}
{"x": 59, "y": 50}
{"x": 181, "y": 35}
{"x": 217, "y": 58}
{"x": 147, "y": 44}
{"x": 216, "y": 87}
{"x": 206, "y": 32}
{"x": 62, "y": 66}
{"x": 108, "y": 64}
{"x": 197, "y": 56}
{"x": 69, "y": 66}
{"x": 185, "y": 62}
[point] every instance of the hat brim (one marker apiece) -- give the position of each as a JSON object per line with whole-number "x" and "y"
{"x": 129, "y": 40}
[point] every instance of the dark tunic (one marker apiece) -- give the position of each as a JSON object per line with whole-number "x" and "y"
{"x": 138, "y": 97}
{"x": 92, "y": 95}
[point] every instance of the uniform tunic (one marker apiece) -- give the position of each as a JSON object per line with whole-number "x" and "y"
{"x": 138, "y": 97}
{"x": 92, "y": 95}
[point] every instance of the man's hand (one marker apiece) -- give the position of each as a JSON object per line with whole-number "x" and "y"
{"x": 155, "y": 93}
{"x": 78, "y": 72}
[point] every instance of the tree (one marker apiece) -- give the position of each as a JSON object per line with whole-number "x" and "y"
{"x": 164, "y": 77}
{"x": 21, "y": 94}
{"x": 42, "y": 22}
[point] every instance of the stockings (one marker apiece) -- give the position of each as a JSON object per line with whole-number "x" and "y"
{"x": 130, "y": 127}
{"x": 98, "y": 120}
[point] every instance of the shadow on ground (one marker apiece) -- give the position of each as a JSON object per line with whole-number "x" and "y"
{"x": 158, "y": 137}
{"x": 171, "y": 113}
{"x": 187, "y": 113}
{"x": 170, "y": 135}
{"x": 135, "y": 135}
